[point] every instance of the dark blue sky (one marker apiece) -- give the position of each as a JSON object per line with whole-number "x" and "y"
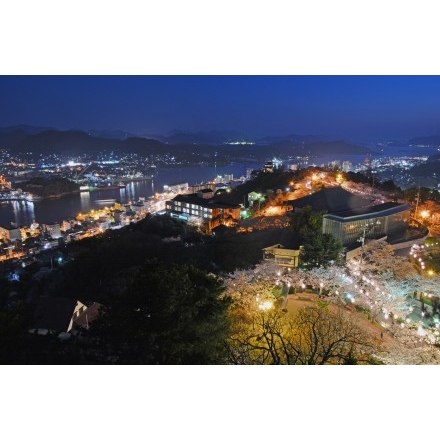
{"x": 350, "y": 107}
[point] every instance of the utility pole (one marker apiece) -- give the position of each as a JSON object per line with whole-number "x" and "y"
{"x": 367, "y": 228}
{"x": 362, "y": 241}
{"x": 417, "y": 203}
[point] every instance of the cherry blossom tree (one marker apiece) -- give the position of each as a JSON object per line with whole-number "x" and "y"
{"x": 384, "y": 291}
{"x": 411, "y": 345}
{"x": 378, "y": 257}
{"x": 315, "y": 335}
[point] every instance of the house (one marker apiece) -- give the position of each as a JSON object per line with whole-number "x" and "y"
{"x": 268, "y": 167}
{"x": 82, "y": 318}
{"x": 206, "y": 193}
{"x": 286, "y": 251}
{"x": 281, "y": 255}
{"x": 255, "y": 197}
{"x": 61, "y": 316}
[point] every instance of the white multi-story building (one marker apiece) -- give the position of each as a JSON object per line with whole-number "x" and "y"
{"x": 347, "y": 166}
{"x": 53, "y": 230}
{"x": 9, "y": 233}
{"x": 178, "y": 188}
{"x": 202, "y": 206}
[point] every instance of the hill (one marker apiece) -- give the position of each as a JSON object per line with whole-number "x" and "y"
{"x": 8, "y": 139}
{"x": 73, "y": 143}
{"x": 425, "y": 140}
{"x": 318, "y": 148}
{"x": 434, "y": 158}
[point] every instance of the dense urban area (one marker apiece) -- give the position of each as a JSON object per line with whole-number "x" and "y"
{"x": 292, "y": 263}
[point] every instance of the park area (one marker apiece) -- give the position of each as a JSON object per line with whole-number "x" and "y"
{"x": 394, "y": 345}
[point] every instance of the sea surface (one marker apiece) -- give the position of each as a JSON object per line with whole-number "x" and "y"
{"x": 56, "y": 210}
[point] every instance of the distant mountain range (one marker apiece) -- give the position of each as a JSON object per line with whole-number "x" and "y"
{"x": 75, "y": 143}
{"x": 38, "y": 140}
{"x": 201, "y": 137}
{"x": 224, "y": 137}
{"x": 425, "y": 140}
{"x": 28, "y": 129}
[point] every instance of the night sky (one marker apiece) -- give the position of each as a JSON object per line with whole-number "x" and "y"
{"x": 362, "y": 108}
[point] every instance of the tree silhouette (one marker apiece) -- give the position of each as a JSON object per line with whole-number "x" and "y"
{"x": 169, "y": 315}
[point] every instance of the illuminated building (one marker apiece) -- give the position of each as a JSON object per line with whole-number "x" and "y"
{"x": 10, "y": 233}
{"x": 202, "y": 206}
{"x": 381, "y": 220}
{"x": 346, "y": 215}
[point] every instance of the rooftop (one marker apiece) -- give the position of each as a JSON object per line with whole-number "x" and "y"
{"x": 196, "y": 200}
{"x": 331, "y": 200}
{"x": 382, "y": 210}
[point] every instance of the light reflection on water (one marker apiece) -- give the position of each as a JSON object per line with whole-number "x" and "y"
{"x": 68, "y": 207}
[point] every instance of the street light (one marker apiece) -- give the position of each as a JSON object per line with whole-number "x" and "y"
{"x": 266, "y": 305}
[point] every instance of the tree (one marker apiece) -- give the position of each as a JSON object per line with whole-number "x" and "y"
{"x": 412, "y": 194}
{"x": 169, "y": 315}
{"x": 333, "y": 279}
{"x": 378, "y": 257}
{"x": 326, "y": 336}
{"x": 244, "y": 286}
{"x": 384, "y": 283}
{"x": 412, "y": 345}
{"x": 315, "y": 335}
{"x": 262, "y": 332}
{"x": 16, "y": 343}
{"x": 390, "y": 186}
{"x": 320, "y": 250}
{"x": 382, "y": 290}
{"x": 306, "y": 222}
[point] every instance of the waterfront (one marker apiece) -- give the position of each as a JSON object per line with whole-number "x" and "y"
{"x": 50, "y": 211}
{"x": 24, "y": 213}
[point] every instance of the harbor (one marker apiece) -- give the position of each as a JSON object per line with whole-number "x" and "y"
{"x": 24, "y": 211}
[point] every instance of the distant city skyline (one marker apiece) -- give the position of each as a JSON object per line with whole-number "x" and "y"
{"x": 358, "y": 108}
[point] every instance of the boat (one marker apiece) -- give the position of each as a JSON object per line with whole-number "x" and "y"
{"x": 120, "y": 185}
{"x": 84, "y": 188}
{"x": 103, "y": 201}
{"x": 103, "y": 187}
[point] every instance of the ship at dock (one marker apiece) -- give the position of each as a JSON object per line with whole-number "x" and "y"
{"x": 105, "y": 201}
{"x": 111, "y": 185}
{"x": 102, "y": 186}
{"x": 120, "y": 185}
